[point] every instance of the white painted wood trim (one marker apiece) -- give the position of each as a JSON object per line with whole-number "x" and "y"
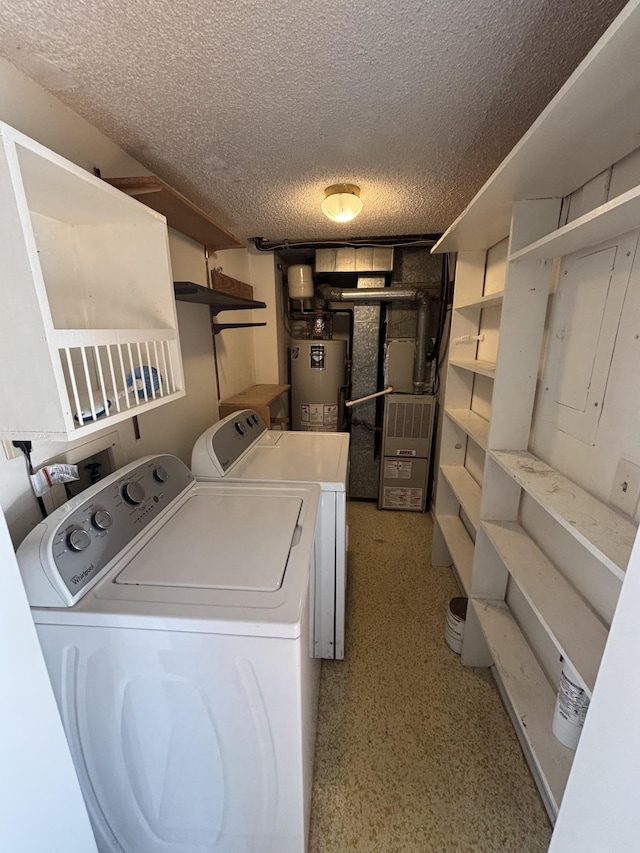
{"x": 489, "y": 301}
{"x": 604, "y": 533}
{"x": 529, "y": 696}
{"x": 573, "y": 627}
{"x": 616, "y": 217}
{"x": 484, "y": 368}
{"x": 460, "y": 547}
{"x": 473, "y": 425}
{"x": 466, "y": 490}
{"x": 101, "y": 337}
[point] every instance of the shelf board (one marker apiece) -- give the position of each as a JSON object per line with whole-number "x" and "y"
{"x": 476, "y": 428}
{"x": 572, "y": 626}
{"x": 545, "y": 162}
{"x": 604, "y": 533}
{"x": 460, "y": 547}
{"x": 187, "y": 291}
{"x": 529, "y": 699}
{"x": 484, "y": 368}
{"x": 180, "y": 213}
{"x": 488, "y": 301}
{"x": 466, "y": 490}
{"x": 220, "y": 327}
{"x": 617, "y": 216}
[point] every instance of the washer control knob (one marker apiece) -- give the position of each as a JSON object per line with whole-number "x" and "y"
{"x": 133, "y": 493}
{"x": 250, "y": 423}
{"x": 254, "y": 418}
{"x": 78, "y": 539}
{"x": 102, "y": 519}
{"x": 239, "y": 428}
{"x": 161, "y": 474}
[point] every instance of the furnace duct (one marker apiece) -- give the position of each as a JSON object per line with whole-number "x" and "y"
{"x": 326, "y": 293}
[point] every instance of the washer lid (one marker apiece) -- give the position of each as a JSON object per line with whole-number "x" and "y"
{"x": 303, "y": 457}
{"x": 233, "y": 542}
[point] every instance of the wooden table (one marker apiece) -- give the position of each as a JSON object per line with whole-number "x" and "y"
{"x": 260, "y": 398}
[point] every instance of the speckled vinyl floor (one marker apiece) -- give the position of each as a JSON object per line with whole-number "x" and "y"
{"x": 415, "y": 753}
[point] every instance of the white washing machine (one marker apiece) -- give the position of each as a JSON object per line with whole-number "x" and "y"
{"x": 174, "y": 617}
{"x": 240, "y": 447}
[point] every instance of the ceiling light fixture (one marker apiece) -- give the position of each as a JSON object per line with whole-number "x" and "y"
{"x": 342, "y": 202}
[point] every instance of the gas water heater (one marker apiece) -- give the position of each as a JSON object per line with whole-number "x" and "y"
{"x": 318, "y": 374}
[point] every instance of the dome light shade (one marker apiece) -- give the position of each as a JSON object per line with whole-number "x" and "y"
{"x": 342, "y": 202}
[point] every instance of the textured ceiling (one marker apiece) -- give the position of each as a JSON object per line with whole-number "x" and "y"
{"x": 252, "y": 108}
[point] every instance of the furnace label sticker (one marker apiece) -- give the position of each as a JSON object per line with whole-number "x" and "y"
{"x": 397, "y": 469}
{"x": 402, "y": 498}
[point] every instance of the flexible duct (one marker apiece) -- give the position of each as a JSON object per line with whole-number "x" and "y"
{"x": 326, "y": 293}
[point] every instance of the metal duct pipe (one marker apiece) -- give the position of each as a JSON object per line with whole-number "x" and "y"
{"x": 326, "y": 293}
{"x": 420, "y": 358}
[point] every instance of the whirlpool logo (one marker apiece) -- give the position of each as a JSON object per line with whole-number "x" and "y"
{"x": 76, "y": 579}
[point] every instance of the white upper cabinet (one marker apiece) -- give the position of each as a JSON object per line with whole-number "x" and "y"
{"x": 88, "y": 330}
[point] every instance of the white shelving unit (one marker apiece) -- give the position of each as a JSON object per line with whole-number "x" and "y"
{"x": 89, "y": 330}
{"x": 480, "y": 530}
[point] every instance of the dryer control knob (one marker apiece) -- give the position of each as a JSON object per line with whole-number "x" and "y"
{"x": 102, "y": 519}
{"x": 239, "y": 428}
{"x": 161, "y": 474}
{"x": 133, "y": 493}
{"x": 78, "y": 539}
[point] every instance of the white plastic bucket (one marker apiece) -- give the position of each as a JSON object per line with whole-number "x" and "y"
{"x": 571, "y": 708}
{"x": 454, "y": 630}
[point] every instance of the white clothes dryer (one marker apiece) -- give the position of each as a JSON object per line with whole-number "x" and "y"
{"x": 174, "y": 617}
{"x": 240, "y": 447}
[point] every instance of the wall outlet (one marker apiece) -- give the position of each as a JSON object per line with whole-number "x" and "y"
{"x": 10, "y": 451}
{"x": 626, "y": 487}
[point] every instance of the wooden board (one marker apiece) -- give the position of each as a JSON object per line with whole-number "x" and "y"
{"x": 225, "y": 284}
{"x": 466, "y": 490}
{"x": 602, "y": 531}
{"x": 460, "y": 546}
{"x": 484, "y": 368}
{"x": 180, "y": 213}
{"x": 258, "y": 397}
{"x": 573, "y": 627}
{"x": 529, "y": 699}
{"x": 475, "y": 427}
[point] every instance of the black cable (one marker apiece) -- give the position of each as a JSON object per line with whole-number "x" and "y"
{"x": 263, "y": 245}
{"x": 25, "y": 447}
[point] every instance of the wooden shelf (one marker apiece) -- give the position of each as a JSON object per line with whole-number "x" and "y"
{"x": 466, "y": 490}
{"x": 180, "y": 213}
{"x": 187, "y": 291}
{"x": 484, "y": 368}
{"x": 605, "y": 222}
{"x": 473, "y": 425}
{"x": 604, "y": 533}
{"x": 529, "y": 699}
{"x": 573, "y": 627}
{"x": 460, "y": 546}
{"x": 259, "y": 398}
{"x": 489, "y": 301}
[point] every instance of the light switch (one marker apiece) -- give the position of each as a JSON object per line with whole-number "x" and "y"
{"x": 626, "y": 487}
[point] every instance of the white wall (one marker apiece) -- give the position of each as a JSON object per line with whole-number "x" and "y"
{"x": 172, "y": 428}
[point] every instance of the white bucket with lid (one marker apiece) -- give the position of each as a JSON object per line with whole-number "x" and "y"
{"x": 454, "y": 630}
{"x": 571, "y": 707}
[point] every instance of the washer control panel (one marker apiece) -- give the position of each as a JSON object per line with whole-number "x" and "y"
{"x": 233, "y": 436}
{"x": 76, "y": 542}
